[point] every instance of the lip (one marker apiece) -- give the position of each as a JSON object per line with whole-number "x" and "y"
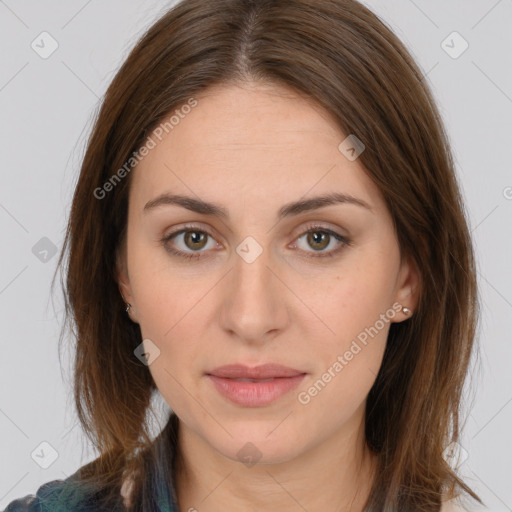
{"x": 264, "y": 371}
{"x": 255, "y": 394}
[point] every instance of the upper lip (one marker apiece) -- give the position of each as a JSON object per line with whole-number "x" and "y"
{"x": 265, "y": 371}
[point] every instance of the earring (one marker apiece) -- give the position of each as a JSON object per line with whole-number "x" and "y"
{"x": 406, "y": 311}
{"x": 128, "y": 306}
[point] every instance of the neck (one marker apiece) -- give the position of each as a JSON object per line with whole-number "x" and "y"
{"x": 334, "y": 476}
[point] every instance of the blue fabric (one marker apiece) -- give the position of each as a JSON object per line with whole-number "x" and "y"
{"x": 55, "y": 496}
{"x": 70, "y": 495}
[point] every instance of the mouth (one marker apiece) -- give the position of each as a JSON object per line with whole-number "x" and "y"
{"x": 259, "y": 380}
{"x": 254, "y": 387}
{"x": 256, "y": 373}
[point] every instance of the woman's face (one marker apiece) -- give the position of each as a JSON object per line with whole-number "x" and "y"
{"x": 260, "y": 289}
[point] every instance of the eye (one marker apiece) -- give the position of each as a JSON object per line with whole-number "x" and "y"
{"x": 195, "y": 239}
{"x": 319, "y": 237}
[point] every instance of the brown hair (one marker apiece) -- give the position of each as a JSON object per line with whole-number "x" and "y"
{"x": 341, "y": 55}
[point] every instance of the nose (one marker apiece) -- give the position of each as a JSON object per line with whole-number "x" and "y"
{"x": 254, "y": 306}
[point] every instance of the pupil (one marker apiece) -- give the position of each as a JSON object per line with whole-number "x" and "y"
{"x": 317, "y": 238}
{"x": 195, "y": 237}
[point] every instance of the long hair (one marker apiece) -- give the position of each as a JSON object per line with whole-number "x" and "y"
{"x": 346, "y": 59}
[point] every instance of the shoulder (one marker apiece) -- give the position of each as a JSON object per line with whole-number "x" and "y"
{"x": 56, "y": 496}
{"x": 451, "y": 506}
{"x": 49, "y": 491}
{"x": 454, "y": 506}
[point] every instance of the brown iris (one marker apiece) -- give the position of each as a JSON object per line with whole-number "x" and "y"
{"x": 315, "y": 239}
{"x": 196, "y": 237}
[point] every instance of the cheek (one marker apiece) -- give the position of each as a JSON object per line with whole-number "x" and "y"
{"x": 163, "y": 297}
{"x": 353, "y": 298}
{"x": 169, "y": 305}
{"x": 356, "y": 305}
{"x": 347, "y": 369}
{"x": 167, "y": 316}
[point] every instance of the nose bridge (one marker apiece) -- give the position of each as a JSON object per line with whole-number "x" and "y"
{"x": 251, "y": 268}
{"x": 253, "y": 302}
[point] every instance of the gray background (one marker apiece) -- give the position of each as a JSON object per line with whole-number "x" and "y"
{"x": 47, "y": 107}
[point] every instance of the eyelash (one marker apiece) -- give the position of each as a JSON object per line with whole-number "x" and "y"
{"x": 309, "y": 229}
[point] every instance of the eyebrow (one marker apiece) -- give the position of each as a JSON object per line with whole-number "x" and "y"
{"x": 288, "y": 210}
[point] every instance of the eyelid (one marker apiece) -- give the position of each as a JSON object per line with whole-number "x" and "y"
{"x": 189, "y": 227}
{"x": 320, "y": 226}
{"x": 299, "y": 231}
{"x": 343, "y": 240}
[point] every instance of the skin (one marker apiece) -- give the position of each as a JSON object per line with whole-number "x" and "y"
{"x": 253, "y": 148}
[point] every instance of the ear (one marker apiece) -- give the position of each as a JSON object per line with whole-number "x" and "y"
{"x": 408, "y": 288}
{"x": 123, "y": 280}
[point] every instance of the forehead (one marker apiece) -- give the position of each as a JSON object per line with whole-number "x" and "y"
{"x": 255, "y": 117}
{"x": 255, "y": 140}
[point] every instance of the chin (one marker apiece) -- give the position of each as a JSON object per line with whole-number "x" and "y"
{"x": 256, "y": 446}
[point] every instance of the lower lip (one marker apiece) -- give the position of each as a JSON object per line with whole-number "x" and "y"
{"x": 255, "y": 394}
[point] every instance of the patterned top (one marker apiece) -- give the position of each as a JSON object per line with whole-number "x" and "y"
{"x": 70, "y": 495}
